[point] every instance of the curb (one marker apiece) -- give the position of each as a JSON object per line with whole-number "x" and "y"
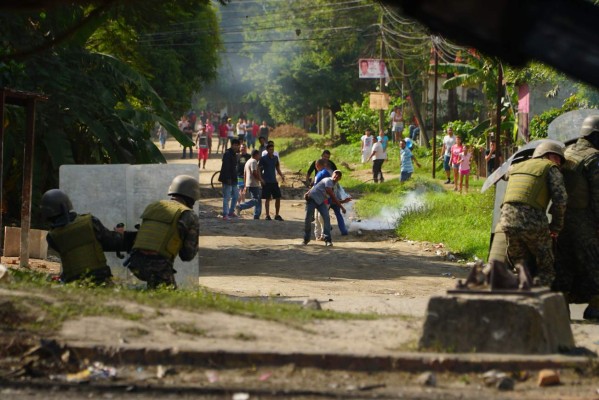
{"x": 407, "y": 362}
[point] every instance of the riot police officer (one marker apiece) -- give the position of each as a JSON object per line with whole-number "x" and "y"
{"x": 169, "y": 228}
{"x": 577, "y": 262}
{"x": 80, "y": 239}
{"x": 523, "y": 235}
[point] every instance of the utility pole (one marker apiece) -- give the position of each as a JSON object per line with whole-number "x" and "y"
{"x": 498, "y": 115}
{"x": 382, "y": 79}
{"x": 435, "y": 108}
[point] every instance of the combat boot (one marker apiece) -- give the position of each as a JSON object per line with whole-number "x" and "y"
{"x": 591, "y": 313}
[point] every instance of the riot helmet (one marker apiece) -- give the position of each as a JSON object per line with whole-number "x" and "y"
{"x": 549, "y": 146}
{"x": 590, "y": 125}
{"x": 56, "y": 205}
{"x": 185, "y": 185}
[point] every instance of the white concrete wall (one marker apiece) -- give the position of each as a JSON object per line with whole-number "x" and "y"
{"x": 120, "y": 193}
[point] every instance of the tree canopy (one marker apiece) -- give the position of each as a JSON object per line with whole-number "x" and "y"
{"x": 110, "y": 71}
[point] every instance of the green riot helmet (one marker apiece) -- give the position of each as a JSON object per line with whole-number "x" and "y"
{"x": 185, "y": 185}
{"x": 549, "y": 146}
{"x": 590, "y": 125}
{"x": 55, "y": 203}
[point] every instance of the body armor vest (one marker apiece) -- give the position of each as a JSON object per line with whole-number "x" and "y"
{"x": 159, "y": 231}
{"x": 80, "y": 251}
{"x": 577, "y": 186}
{"x": 528, "y": 183}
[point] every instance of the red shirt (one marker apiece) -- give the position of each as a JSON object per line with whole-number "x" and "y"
{"x": 255, "y": 129}
{"x": 222, "y": 130}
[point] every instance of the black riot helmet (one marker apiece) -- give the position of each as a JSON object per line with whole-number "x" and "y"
{"x": 56, "y": 205}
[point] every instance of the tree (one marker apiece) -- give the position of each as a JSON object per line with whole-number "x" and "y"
{"x": 312, "y": 56}
{"x": 100, "y": 108}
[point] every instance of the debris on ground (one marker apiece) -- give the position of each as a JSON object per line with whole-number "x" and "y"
{"x": 548, "y": 377}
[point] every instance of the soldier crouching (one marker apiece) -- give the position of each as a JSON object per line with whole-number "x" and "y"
{"x": 80, "y": 240}
{"x": 169, "y": 228}
{"x": 528, "y": 237}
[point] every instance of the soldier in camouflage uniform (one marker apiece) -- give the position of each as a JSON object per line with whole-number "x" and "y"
{"x": 577, "y": 261}
{"x": 169, "y": 228}
{"x": 80, "y": 239}
{"x": 527, "y": 236}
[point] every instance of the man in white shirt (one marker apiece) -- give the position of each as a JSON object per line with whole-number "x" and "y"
{"x": 315, "y": 200}
{"x": 252, "y": 182}
{"x": 378, "y": 156}
{"x": 448, "y": 141}
{"x": 366, "y": 145}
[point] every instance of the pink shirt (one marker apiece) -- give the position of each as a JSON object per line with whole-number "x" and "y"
{"x": 465, "y": 164}
{"x": 455, "y": 153}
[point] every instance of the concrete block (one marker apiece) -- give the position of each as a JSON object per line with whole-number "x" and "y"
{"x": 120, "y": 193}
{"x": 548, "y": 377}
{"x": 38, "y": 247}
{"x": 533, "y": 323}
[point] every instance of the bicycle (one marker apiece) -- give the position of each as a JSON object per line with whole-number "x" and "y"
{"x": 214, "y": 182}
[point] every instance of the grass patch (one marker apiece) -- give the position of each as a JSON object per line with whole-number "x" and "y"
{"x": 461, "y": 222}
{"x": 53, "y": 304}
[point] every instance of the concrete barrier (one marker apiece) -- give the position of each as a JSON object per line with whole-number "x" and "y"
{"x": 38, "y": 247}
{"x": 120, "y": 193}
{"x": 536, "y": 322}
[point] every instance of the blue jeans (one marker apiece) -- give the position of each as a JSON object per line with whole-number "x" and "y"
{"x": 323, "y": 209}
{"x": 340, "y": 220}
{"x": 230, "y": 195}
{"x": 414, "y": 132}
{"x": 190, "y": 151}
{"x": 405, "y": 176}
{"x": 255, "y": 201}
{"x": 446, "y": 164}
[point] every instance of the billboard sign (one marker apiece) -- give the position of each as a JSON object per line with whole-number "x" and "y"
{"x": 372, "y": 68}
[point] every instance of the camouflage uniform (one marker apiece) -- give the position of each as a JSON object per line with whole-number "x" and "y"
{"x": 577, "y": 259}
{"x": 527, "y": 231}
{"x": 156, "y": 269}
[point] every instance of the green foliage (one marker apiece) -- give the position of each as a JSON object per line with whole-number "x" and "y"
{"x": 461, "y": 222}
{"x": 461, "y": 128}
{"x": 312, "y": 55}
{"x": 101, "y": 107}
{"x": 539, "y": 124}
{"x": 174, "y": 45}
{"x": 353, "y": 119}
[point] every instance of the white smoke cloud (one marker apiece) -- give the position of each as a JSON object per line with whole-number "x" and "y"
{"x": 388, "y": 218}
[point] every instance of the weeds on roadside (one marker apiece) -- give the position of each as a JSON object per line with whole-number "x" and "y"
{"x": 55, "y": 303}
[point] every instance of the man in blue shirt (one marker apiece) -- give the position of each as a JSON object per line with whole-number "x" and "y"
{"x": 407, "y": 167}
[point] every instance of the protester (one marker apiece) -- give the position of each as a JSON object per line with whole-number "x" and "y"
{"x": 270, "y": 166}
{"x": 252, "y": 181}
{"x": 228, "y": 177}
{"x": 366, "y": 145}
{"x": 315, "y": 200}
{"x": 378, "y": 156}
{"x": 407, "y": 161}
